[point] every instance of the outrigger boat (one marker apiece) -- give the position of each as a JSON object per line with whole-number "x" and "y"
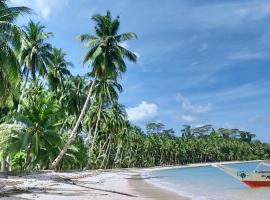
{"x": 254, "y": 179}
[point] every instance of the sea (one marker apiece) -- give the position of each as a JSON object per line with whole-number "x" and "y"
{"x": 207, "y": 183}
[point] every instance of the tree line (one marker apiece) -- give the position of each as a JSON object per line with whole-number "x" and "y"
{"x": 52, "y": 119}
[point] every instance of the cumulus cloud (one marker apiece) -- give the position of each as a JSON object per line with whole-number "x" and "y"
{"x": 188, "y": 106}
{"x": 143, "y": 111}
{"x": 42, "y": 7}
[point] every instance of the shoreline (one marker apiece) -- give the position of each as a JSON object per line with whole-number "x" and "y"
{"x": 151, "y": 191}
{"x": 171, "y": 194}
{"x": 150, "y": 169}
{"x": 113, "y": 184}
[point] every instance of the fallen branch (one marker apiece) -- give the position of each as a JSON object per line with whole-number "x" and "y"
{"x": 70, "y": 181}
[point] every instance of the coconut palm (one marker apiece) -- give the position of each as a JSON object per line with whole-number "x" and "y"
{"x": 35, "y": 54}
{"x": 116, "y": 122}
{"x": 105, "y": 92}
{"x": 74, "y": 96}
{"x": 71, "y": 100}
{"x": 187, "y": 131}
{"x": 39, "y": 115}
{"x": 58, "y": 70}
{"x": 10, "y": 35}
{"x": 107, "y": 57}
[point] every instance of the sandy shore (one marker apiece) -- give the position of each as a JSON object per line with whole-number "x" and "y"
{"x": 100, "y": 185}
{"x": 146, "y": 190}
{"x": 120, "y": 184}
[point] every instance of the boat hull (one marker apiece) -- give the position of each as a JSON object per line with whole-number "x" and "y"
{"x": 255, "y": 184}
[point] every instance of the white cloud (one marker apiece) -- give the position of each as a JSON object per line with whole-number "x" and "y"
{"x": 41, "y": 7}
{"x": 142, "y": 112}
{"x": 248, "y": 55}
{"x": 188, "y": 118}
{"x": 188, "y": 106}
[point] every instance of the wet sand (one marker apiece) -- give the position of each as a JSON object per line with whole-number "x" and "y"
{"x": 149, "y": 191}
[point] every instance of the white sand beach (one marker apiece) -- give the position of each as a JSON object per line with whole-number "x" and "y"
{"x": 115, "y": 184}
{"x": 101, "y": 185}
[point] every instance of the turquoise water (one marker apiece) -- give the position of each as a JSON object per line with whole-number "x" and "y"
{"x": 208, "y": 183}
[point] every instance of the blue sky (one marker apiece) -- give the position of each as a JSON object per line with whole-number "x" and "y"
{"x": 200, "y": 62}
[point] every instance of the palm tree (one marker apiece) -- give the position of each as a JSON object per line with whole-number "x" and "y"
{"x": 39, "y": 116}
{"x": 187, "y": 131}
{"x": 35, "y": 137}
{"x": 105, "y": 92}
{"x": 10, "y": 34}
{"x": 107, "y": 56}
{"x": 73, "y": 98}
{"x": 35, "y": 54}
{"x": 154, "y": 128}
{"x": 117, "y": 116}
{"x": 58, "y": 70}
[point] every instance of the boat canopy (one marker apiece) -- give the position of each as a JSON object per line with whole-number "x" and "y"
{"x": 263, "y": 163}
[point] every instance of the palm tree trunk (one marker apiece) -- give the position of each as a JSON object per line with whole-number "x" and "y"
{"x": 75, "y": 129}
{"x": 121, "y": 159}
{"x": 117, "y": 152}
{"x": 91, "y": 150}
{"x": 99, "y": 151}
{"x": 28, "y": 158}
{"x": 22, "y": 92}
{"x": 9, "y": 159}
{"x": 4, "y": 167}
{"x": 101, "y": 148}
{"x": 106, "y": 152}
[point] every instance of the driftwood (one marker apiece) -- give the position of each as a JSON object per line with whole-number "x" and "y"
{"x": 70, "y": 181}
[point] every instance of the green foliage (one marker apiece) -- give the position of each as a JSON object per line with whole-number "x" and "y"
{"x": 105, "y": 50}
{"x": 35, "y": 54}
{"x": 18, "y": 161}
{"x": 10, "y": 36}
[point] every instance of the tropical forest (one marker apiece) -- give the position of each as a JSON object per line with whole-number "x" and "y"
{"x": 53, "y": 119}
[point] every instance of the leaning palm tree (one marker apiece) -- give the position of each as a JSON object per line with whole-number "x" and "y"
{"x": 105, "y": 93}
{"x": 35, "y": 54}
{"x": 58, "y": 70}
{"x": 107, "y": 57}
{"x": 9, "y": 41}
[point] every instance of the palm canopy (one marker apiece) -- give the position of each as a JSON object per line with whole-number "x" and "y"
{"x": 35, "y": 53}
{"x": 36, "y": 136}
{"x": 107, "y": 57}
{"x": 105, "y": 50}
{"x": 106, "y": 91}
{"x": 74, "y": 97}
{"x": 58, "y": 69}
{"x": 9, "y": 41}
